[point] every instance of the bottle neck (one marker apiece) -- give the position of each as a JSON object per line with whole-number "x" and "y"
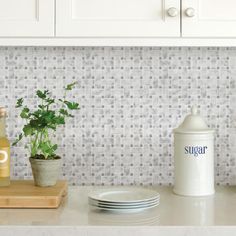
{"x": 2, "y": 127}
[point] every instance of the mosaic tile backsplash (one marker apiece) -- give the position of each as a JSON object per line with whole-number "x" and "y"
{"x": 131, "y": 99}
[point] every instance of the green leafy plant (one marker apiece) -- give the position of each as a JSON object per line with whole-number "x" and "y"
{"x": 40, "y": 123}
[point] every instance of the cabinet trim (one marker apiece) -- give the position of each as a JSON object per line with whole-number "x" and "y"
{"x": 121, "y": 42}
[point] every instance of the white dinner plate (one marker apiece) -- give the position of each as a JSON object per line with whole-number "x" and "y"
{"x": 98, "y": 203}
{"x": 126, "y": 207}
{"x": 128, "y": 210}
{"x": 124, "y": 195}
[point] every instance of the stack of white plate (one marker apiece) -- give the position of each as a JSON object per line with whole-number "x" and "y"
{"x": 124, "y": 199}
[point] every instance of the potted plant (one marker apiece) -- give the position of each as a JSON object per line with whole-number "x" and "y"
{"x": 40, "y": 124}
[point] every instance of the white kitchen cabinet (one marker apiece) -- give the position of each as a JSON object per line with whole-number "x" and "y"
{"x": 208, "y": 18}
{"x": 26, "y": 18}
{"x": 118, "y": 22}
{"x": 118, "y": 18}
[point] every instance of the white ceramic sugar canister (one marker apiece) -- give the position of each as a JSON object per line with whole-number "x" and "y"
{"x": 194, "y": 157}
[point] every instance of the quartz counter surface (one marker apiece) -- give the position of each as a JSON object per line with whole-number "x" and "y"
{"x": 176, "y": 215}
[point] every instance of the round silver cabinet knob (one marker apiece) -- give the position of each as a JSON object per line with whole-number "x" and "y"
{"x": 190, "y": 12}
{"x": 172, "y": 12}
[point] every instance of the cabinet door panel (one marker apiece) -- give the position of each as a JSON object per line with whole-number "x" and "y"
{"x": 212, "y": 18}
{"x": 116, "y": 18}
{"x": 26, "y": 18}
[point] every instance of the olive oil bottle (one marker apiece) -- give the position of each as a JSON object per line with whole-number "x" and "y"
{"x": 4, "y": 151}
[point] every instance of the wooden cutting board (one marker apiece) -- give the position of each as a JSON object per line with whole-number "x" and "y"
{"x": 24, "y": 194}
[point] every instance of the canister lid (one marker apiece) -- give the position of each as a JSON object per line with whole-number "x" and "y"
{"x": 193, "y": 123}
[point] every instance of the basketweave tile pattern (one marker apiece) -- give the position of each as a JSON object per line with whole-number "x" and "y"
{"x": 131, "y": 99}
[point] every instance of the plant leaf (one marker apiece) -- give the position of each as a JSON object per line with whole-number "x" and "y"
{"x": 25, "y": 113}
{"x": 28, "y": 130}
{"x": 18, "y": 139}
{"x": 42, "y": 94}
{"x": 64, "y": 112}
{"x": 54, "y": 147}
{"x": 50, "y": 101}
{"x": 19, "y": 102}
{"x": 41, "y": 106}
{"x": 47, "y": 148}
{"x": 59, "y": 120}
{"x": 72, "y": 105}
{"x": 70, "y": 86}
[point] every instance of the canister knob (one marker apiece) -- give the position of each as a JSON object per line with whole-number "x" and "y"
{"x": 194, "y": 110}
{"x": 193, "y": 123}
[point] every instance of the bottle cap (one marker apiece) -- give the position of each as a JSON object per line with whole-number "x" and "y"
{"x": 3, "y": 112}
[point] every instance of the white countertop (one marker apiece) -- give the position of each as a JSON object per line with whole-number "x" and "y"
{"x": 212, "y": 215}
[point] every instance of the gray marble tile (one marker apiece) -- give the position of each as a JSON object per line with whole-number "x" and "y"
{"x": 131, "y": 99}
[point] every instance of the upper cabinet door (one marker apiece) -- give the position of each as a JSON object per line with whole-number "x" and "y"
{"x": 209, "y": 18}
{"x": 26, "y": 18}
{"x": 118, "y": 18}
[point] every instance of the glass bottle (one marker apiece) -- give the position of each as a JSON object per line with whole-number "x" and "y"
{"x": 4, "y": 151}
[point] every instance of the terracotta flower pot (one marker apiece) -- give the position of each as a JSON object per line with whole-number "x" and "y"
{"x": 45, "y": 172}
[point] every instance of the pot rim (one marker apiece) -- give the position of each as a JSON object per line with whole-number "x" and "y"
{"x": 51, "y": 160}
